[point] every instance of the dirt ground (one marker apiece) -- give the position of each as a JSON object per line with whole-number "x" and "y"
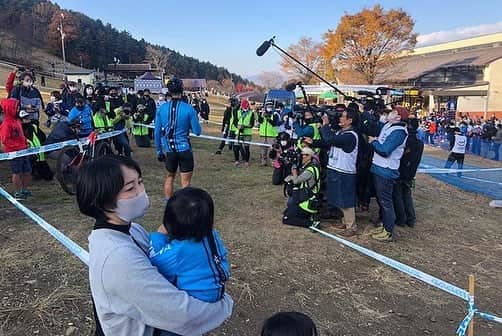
{"x": 44, "y": 289}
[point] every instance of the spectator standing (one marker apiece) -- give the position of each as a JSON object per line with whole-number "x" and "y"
{"x": 457, "y": 148}
{"x": 497, "y": 141}
{"x": 29, "y": 97}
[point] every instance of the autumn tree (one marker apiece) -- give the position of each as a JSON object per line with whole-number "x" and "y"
{"x": 368, "y": 42}
{"x": 309, "y": 53}
{"x": 271, "y": 79}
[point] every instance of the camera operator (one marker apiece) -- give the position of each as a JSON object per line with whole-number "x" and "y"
{"x": 284, "y": 154}
{"x": 141, "y": 132}
{"x": 305, "y": 127}
{"x": 268, "y": 120}
{"x": 341, "y": 168}
{"x": 122, "y": 121}
{"x": 303, "y": 201}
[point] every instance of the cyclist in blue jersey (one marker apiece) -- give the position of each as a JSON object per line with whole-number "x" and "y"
{"x": 173, "y": 122}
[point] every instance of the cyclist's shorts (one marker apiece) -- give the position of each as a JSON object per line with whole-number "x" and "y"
{"x": 183, "y": 160}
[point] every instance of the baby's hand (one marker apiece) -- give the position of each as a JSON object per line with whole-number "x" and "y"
{"x": 162, "y": 229}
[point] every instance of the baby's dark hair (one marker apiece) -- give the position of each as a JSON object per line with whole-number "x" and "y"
{"x": 189, "y": 214}
{"x": 289, "y": 324}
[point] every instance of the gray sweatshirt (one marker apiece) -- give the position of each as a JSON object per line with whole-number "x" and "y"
{"x": 132, "y": 297}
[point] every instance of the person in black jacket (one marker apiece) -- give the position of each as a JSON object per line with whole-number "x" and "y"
{"x": 225, "y": 124}
{"x": 402, "y": 198}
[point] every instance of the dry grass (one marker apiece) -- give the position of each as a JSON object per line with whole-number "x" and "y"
{"x": 274, "y": 267}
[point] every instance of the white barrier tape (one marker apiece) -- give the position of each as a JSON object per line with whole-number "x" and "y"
{"x": 210, "y": 137}
{"x": 433, "y": 170}
{"x": 422, "y": 276}
{"x": 67, "y": 242}
{"x": 429, "y": 279}
{"x": 55, "y": 146}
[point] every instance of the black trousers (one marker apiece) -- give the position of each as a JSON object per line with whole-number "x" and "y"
{"x": 403, "y": 203}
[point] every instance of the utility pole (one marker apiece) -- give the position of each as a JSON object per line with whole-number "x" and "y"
{"x": 61, "y": 30}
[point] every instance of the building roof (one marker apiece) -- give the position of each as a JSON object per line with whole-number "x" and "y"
{"x": 79, "y": 72}
{"x": 194, "y": 83}
{"x": 141, "y": 67}
{"x": 148, "y": 76}
{"x": 412, "y": 67}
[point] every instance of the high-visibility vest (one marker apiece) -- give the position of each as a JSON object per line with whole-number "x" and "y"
{"x": 141, "y": 130}
{"x": 242, "y": 120}
{"x": 101, "y": 121}
{"x": 316, "y": 173}
{"x": 267, "y": 130}
{"x": 35, "y": 143}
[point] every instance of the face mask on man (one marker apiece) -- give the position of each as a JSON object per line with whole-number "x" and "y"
{"x": 72, "y": 88}
{"x": 130, "y": 209}
{"x": 269, "y": 109}
{"x": 284, "y": 143}
{"x": 53, "y": 99}
{"x": 383, "y": 118}
{"x": 89, "y": 91}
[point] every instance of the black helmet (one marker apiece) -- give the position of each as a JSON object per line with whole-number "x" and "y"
{"x": 284, "y": 136}
{"x": 175, "y": 85}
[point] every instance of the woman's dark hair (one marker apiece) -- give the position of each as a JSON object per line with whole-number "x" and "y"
{"x": 56, "y": 94}
{"x": 189, "y": 214}
{"x": 99, "y": 183}
{"x": 289, "y": 324}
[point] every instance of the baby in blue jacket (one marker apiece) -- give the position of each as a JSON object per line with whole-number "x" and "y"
{"x": 187, "y": 250}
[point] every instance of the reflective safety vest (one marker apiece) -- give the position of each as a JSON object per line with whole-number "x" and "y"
{"x": 108, "y": 106}
{"x": 267, "y": 130}
{"x": 35, "y": 143}
{"x": 242, "y": 120}
{"x": 316, "y": 173}
{"x": 101, "y": 122}
{"x": 316, "y": 136}
{"x": 141, "y": 130}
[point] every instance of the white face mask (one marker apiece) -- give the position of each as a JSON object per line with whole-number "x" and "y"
{"x": 284, "y": 143}
{"x": 72, "y": 88}
{"x": 383, "y": 118}
{"x": 130, "y": 209}
{"x": 27, "y": 83}
{"x": 269, "y": 109}
{"x": 88, "y": 91}
{"x": 53, "y": 99}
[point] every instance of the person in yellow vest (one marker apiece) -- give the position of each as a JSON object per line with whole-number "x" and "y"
{"x": 304, "y": 185}
{"x": 140, "y": 132}
{"x": 35, "y": 137}
{"x": 306, "y": 127}
{"x": 242, "y": 124}
{"x": 269, "y": 120}
{"x": 101, "y": 122}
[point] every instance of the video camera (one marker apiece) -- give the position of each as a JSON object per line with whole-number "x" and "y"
{"x": 373, "y": 101}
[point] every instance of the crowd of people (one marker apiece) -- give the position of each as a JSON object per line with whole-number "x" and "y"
{"x": 483, "y": 136}
{"x": 332, "y": 161}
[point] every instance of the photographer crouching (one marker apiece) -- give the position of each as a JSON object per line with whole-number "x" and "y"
{"x": 284, "y": 156}
{"x": 303, "y": 188}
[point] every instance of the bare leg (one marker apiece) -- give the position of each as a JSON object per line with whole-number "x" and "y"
{"x": 186, "y": 178}
{"x": 169, "y": 185}
{"x": 17, "y": 181}
{"x": 26, "y": 178}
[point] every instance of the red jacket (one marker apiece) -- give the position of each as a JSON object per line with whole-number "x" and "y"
{"x": 11, "y": 130}
{"x": 9, "y": 85}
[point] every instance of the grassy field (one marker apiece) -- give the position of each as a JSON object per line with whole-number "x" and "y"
{"x": 44, "y": 289}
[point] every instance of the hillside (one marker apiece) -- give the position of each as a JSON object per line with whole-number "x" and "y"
{"x": 33, "y": 24}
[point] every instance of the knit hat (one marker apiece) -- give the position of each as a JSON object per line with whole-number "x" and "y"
{"x": 245, "y": 104}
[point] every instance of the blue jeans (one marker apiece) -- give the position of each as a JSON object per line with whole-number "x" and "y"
{"x": 430, "y": 138}
{"x": 485, "y": 148}
{"x": 496, "y": 149}
{"x": 121, "y": 143}
{"x": 476, "y": 145}
{"x": 384, "y": 189}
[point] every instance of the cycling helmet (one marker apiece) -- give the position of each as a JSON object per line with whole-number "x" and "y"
{"x": 175, "y": 85}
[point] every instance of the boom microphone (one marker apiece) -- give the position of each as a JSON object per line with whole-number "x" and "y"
{"x": 264, "y": 47}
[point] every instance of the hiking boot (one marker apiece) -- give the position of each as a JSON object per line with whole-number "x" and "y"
{"x": 377, "y": 230}
{"x": 383, "y": 236}
{"x": 348, "y": 233}
{"x": 339, "y": 226}
{"x": 218, "y": 152}
{"x": 26, "y": 192}
{"x": 19, "y": 196}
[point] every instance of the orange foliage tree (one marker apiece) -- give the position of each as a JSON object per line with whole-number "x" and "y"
{"x": 368, "y": 42}
{"x": 309, "y": 53}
